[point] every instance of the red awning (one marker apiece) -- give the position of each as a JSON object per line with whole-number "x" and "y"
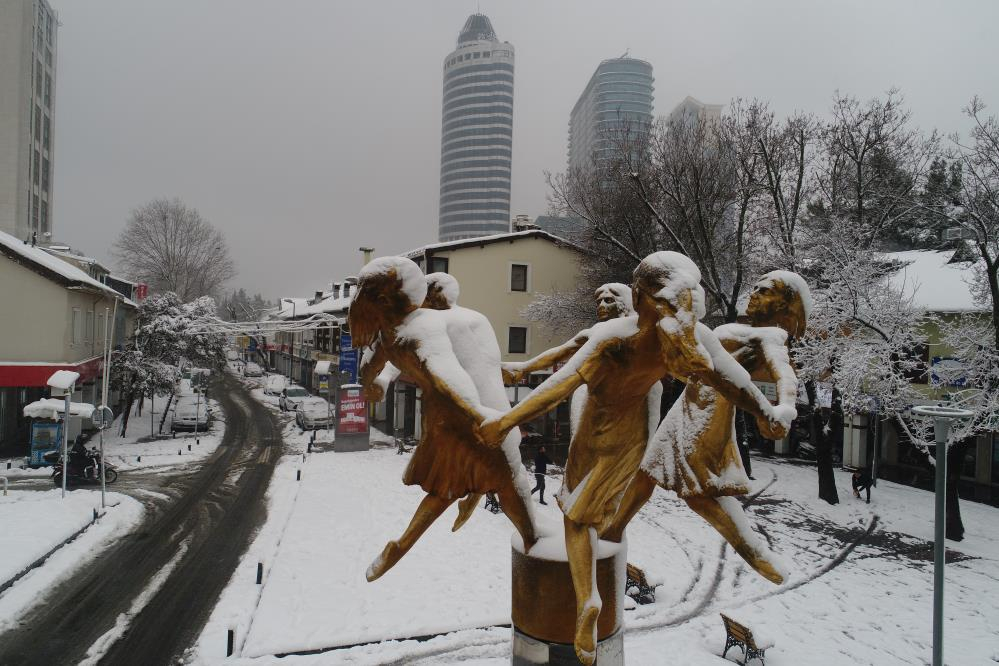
{"x": 16, "y": 375}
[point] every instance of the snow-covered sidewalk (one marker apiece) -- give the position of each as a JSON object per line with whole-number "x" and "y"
{"x": 853, "y": 598}
{"x": 36, "y": 522}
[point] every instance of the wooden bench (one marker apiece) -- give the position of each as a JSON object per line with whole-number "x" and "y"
{"x": 742, "y": 636}
{"x": 638, "y": 587}
{"x": 492, "y": 503}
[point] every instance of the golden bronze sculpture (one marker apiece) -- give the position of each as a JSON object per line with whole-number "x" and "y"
{"x": 694, "y": 451}
{"x": 440, "y": 353}
{"x": 619, "y": 363}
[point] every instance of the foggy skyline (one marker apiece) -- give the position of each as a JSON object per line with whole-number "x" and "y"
{"x": 303, "y": 130}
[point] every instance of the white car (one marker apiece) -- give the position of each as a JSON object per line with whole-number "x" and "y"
{"x": 189, "y": 413}
{"x": 275, "y": 384}
{"x": 252, "y": 370}
{"x": 314, "y": 413}
{"x": 292, "y": 397}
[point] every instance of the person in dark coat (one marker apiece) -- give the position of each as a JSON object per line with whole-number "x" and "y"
{"x": 541, "y": 462}
{"x": 862, "y": 481}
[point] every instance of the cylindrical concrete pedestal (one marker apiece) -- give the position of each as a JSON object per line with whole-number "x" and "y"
{"x": 544, "y": 603}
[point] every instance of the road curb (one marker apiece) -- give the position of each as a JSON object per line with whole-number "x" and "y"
{"x": 6, "y": 585}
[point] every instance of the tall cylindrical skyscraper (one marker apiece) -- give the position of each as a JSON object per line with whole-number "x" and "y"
{"x": 476, "y": 134}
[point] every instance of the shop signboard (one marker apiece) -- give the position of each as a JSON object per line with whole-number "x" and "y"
{"x": 348, "y": 357}
{"x": 352, "y": 412}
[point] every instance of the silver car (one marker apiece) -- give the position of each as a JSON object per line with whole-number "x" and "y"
{"x": 314, "y": 413}
{"x": 291, "y": 397}
{"x": 190, "y": 413}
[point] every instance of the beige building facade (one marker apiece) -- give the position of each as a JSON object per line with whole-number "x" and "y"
{"x": 501, "y": 275}
{"x": 55, "y": 316}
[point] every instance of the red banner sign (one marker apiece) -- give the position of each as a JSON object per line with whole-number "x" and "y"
{"x": 352, "y": 414}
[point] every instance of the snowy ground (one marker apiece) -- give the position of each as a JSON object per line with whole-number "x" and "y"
{"x": 865, "y": 605}
{"x": 36, "y": 522}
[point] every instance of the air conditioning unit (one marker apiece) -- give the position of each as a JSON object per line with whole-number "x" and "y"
{"x": 953, "y": 233}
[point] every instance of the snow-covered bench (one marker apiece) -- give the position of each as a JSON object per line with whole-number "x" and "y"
{"x": 742, "y": 636}
{"x": 638, "y": 587}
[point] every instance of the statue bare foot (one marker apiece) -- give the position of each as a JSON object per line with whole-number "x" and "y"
{"x": 466, "y": 507}
{"x": 585, "y": 642}
{"x": 391, "y": 554}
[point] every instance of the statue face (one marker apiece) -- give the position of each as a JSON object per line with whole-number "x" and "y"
{"x": 607, "y": 307}
{"x": 435, "y": 299}
{"x": 676, "y": 322}
{"x": 767, "y": 302}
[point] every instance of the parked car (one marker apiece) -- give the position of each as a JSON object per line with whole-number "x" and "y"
{"x": 291, "y": 398}
{"x": 275, "y": 384}
{"x": 314, "y": 413}
{"x": 252, "y": 370}
{"x": 190, "y": 412}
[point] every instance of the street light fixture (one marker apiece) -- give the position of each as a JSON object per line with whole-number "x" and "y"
{"x": 64, "y": 381}
{"x": 367, "y": 253}
{"x": 942, "y": 418}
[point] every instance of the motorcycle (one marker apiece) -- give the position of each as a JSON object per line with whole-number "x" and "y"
{"x": 87, "y": 474}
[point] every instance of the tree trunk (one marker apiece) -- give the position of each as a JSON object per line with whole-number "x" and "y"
{"x": 823, "y": 453}
{"x": 955, "y": 458}
{"x": 125, "y": 414}
{"x": 166, "y": 410}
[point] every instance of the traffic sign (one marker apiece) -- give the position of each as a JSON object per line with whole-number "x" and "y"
{"x": 102, "y": 417}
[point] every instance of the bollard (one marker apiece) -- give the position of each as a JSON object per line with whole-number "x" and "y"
{"x": 8, "y": 464}
{"x": 174, "y": 434}
{"x": 188, "y": 447}
{"x": 303, "y": 457}
{"x": 138, "y": 459}
{"x": 298, "y": 475}
{"x": 260, "y": 572}
{"x": 95, "y": 515}
{"x": 197, "y": 441}
{"x": 179, "y": 453}
{"x": 310, "y": 447}
{"x": 230, "y": 641}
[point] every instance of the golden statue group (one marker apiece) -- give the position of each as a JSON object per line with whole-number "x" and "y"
{"x": 619, "y": 451}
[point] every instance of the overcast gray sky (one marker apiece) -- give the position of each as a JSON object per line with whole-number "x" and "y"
{"x": 305, "y": 128}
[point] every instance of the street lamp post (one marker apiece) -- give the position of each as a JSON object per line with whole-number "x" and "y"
{"x": 64, "y": 381}
{"x": 942, "y": 418}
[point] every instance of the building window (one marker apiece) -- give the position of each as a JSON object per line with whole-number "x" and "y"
{"x": 88, "y": 334}
{"x": 34, "y": 210}
{"x": 43, "y": 221}
{"x": 48, "y": 57}
{"x": 77, "y": 326}
{"x": 486, "y": 54}
{"x": 38, "y": 118}
{"x": 45, "y": 174}
{"x": 100, "y": 333}
{"x": 439, "y": 264}
{"x": 48, "y": 91}
{"x": 476, "y": 55}
{"x": 37, "y": 167}
{"x": 517, "y": 343}
{"x": 47, "y": 125}
{"x": 39, "y": 79}
{"x": 518, "y": 277}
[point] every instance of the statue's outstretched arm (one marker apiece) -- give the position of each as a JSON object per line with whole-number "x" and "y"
{"x": 545, "y": 398}
{"x": 373, "y": 363}
{"x": 778, "y": 362}
{"x": 514, "y": 371}
{"x": 734, "y": 383}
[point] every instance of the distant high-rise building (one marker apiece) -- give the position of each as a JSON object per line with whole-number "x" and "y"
{"x": 693, "y": 110}
{"x": 618, "y": 96}
{"x": 476, "y": 134}
{"x": 27, "y": 113}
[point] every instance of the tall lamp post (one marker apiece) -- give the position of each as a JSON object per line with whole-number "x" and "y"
{"x": 367, "y": 254}
{"x": 942, "y": 419}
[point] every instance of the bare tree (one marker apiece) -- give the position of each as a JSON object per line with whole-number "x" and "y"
{"x": 170, "y": 247}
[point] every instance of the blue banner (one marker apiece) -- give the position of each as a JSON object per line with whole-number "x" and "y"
{"x": 348, "y": 357}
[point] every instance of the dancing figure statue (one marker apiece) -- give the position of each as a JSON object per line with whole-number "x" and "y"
{"x": 620, "y": 362}
{"x": 694, "y": 451}
{"x": 461, "y": 385}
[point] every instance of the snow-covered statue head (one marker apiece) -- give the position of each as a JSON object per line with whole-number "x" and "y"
{"x": 388, "y": 289}
{"x": 613, "y": 301}
{"x": 781, "y": 299}
{"x": 442, "y": 291}
{"x": 667, "y": 290}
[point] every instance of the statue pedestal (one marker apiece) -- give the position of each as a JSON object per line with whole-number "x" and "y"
{"x": 544, "y": 603}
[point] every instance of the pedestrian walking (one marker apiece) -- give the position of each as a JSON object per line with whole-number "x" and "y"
{"x": 862, "y": 481}
{"x": 541, "y": 462}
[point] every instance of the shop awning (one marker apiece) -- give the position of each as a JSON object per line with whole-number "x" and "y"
{"x": 52, "y": 408}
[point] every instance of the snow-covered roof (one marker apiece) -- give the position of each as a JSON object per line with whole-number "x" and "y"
{"x": 486, "y": 240}
{"x": 52, "y": 408}
{"x": 52, "y": 265}
{"x": 304, "y": 308}
{"x": 935, "y": 284}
